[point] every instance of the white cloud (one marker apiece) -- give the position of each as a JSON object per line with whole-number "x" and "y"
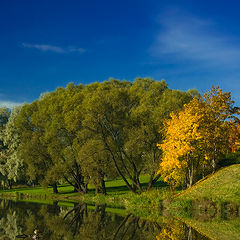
{"x": 51, "y": 48}
{"x": 9, "y": 104}
{"x": 187, "y": 38}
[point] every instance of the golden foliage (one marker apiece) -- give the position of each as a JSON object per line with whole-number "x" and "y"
{"x": 197, "y": 136}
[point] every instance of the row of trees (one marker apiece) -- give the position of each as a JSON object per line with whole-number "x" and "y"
{"x": 87, "y": 134}
{"x": 198, "y": 136}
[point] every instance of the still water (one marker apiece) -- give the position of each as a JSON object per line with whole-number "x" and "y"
{"x": 81, "y": 221}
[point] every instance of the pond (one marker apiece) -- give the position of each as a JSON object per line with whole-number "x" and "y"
{"x": 81, "y": 221}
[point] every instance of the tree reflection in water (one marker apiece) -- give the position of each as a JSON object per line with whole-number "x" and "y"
{"x": 84, "y": 222}
{"x": 79, "y": 222}
{"x": 98, "y": 224}
{"x": 177, "y": 230}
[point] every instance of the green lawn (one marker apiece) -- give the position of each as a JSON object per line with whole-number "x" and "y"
{"x": 117, "y": 193}
{"x": 223, "y": 186}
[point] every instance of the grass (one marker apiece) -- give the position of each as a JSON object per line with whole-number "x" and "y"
{"x": 219, "y": 193}
{"x": 212, "y": 205}
{"x": 223, "y": 186}
{"x": 118, "y": 195}
{"x": 205, "y": 206}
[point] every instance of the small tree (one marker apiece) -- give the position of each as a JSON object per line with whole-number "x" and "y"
{"x": 179, "y": 160}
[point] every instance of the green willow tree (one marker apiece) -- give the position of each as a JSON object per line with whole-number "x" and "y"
{"x": 155, "y": 103}
{"x": 61, "y": 141}
{"x": 82, "y": 134}
{"x": 12, "y": 167}
{"x": 96, "y": 164}
{"x": 47, "y": 144}
{"x": 31, "y": 149}
{"x": 120, "y": 115}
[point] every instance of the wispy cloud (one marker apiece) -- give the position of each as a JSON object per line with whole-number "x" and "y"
{"x": 52, "y": 48}
{"x": 188, "y": 38}
{"x": 9, "y": 104}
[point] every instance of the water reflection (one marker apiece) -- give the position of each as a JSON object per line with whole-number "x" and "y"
{"x": 177, "y": 230}
{"x": 216, "y": 220}
{"x": 85, "y": 222}
{"x": 79, "y": 222}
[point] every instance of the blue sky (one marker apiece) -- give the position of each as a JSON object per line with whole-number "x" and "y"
{"x": 45, "y": 44}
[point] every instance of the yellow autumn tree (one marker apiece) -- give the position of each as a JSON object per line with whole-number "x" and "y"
{"x": 173, "y": 230}
{"x": 196, "y": 137}
{"x": 180, "y": 144}
{"x": 234, "y": 139}
{"x": 222, "y": 115}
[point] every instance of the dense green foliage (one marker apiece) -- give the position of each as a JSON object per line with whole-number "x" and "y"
{"x": 87, "y": 134}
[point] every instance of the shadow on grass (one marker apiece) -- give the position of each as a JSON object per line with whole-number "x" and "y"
{"x": 123, "y": 189}
{"x": 68, "y": 189}
{"x": 90, "y": 191}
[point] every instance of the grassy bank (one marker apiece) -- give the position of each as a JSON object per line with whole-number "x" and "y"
{"x": 223, "y": 186}
{"x": 216, "y": 196}
{"x": 211, "y": 206}
{"x": 118, "y": 195}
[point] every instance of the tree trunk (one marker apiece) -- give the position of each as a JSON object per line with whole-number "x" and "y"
{"x": 129, "y": 186}
{"x": 190, "y": 235}
{"x": 75, "y": 189}
{"x": 138, "y": 184}
{"x": 103, "y": 187}
{"x": 152, "y": 181}
{"x": 9, "y": 184}
{"x": 78, "y": 182}
{"x": 96, "y": 189}
{"x": 85, "y": 188}
{"x": 55, "y": 189}
{"x": 213, "y": 165}
{"x": 190, "y": 173}
{"x": 172, "y": 189}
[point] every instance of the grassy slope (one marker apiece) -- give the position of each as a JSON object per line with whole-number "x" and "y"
{"x": 224, "y": 186}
